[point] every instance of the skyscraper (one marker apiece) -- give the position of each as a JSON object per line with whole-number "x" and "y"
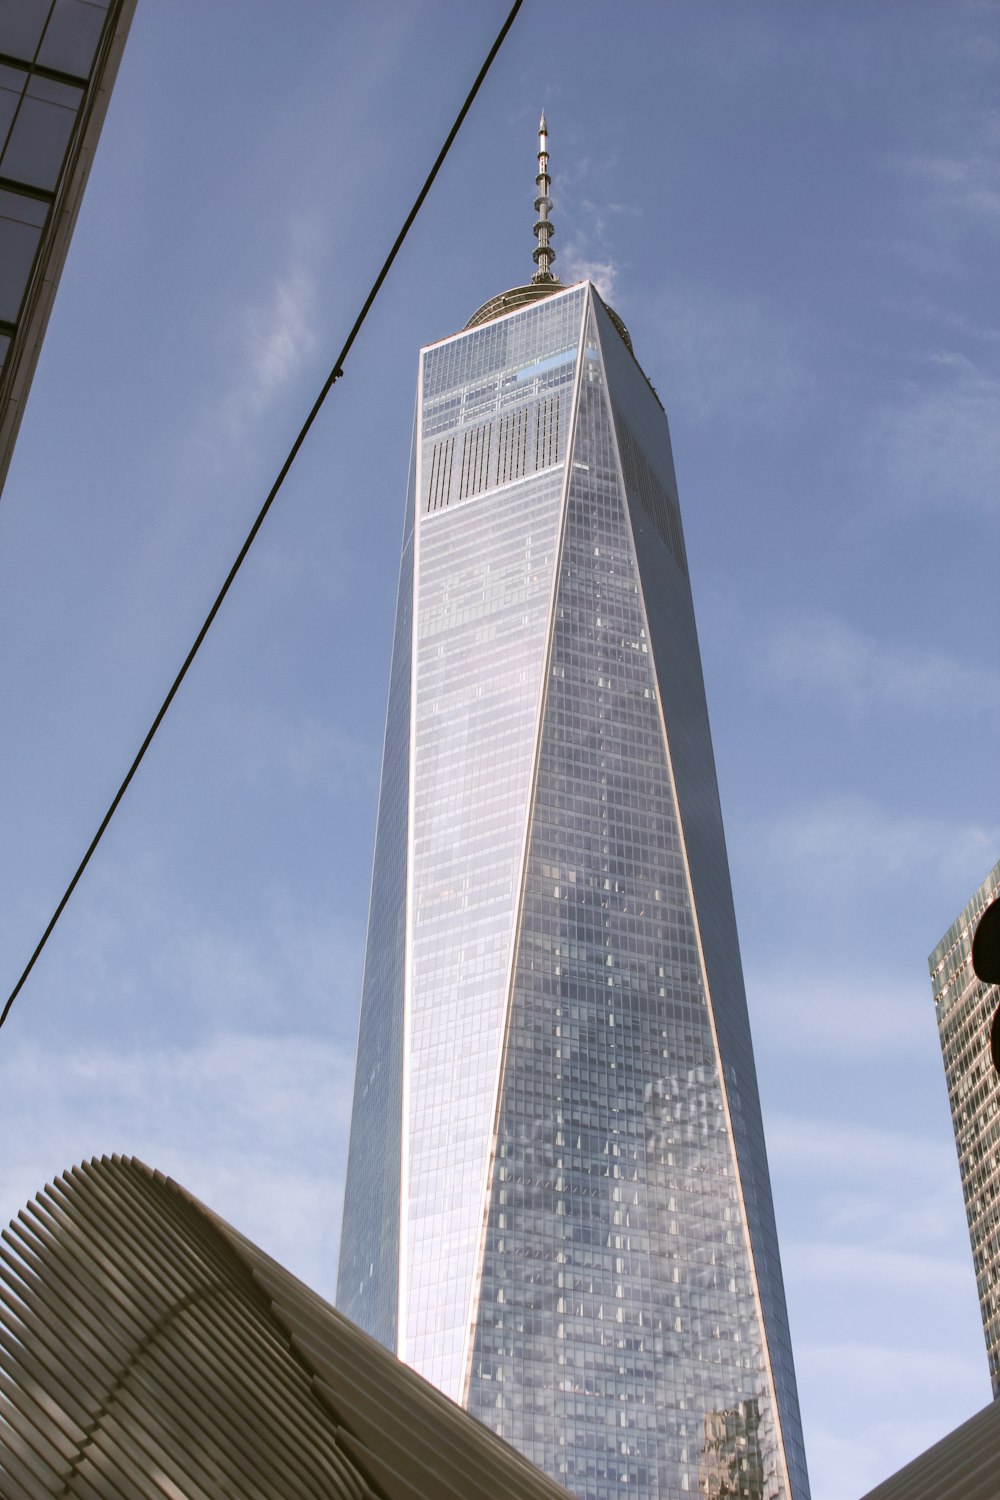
{"x": 58, "y": 60}
{"x": 558, "y": 1206}
{"x": 964, "y": 1006}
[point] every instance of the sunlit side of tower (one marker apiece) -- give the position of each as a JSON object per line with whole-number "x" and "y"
{"x": 558, "y": 1206}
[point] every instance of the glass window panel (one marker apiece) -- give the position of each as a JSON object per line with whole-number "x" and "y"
{"x": 71, "y": 37}
{"x": 38, "y": 143}
{"x": 12, "y": 78}
{"x": 66, "y": 94}
{"x": 18, "y": 243}
{"x": 19, "y": 206}
{"x": 8, "y": 109}
{"x": 493, "y": 456}
{"x": 21, "y": 23}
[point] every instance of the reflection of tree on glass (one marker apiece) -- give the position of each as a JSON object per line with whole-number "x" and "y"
{"x": 731, "y": 1466}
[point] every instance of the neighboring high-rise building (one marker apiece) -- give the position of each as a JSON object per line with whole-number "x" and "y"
{"x": 557, "y": 1205}
{"x": 964, "y": 1006}
{"x": 58, "y": 60}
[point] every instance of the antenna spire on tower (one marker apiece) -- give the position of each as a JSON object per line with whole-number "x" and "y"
{"x": 544, "y": 255}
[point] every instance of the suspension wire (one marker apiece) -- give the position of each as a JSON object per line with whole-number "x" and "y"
{"x": 334, "y": 375}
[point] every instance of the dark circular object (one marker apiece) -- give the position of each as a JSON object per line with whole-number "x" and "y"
{"x": 995, "y": 1039}
{"x": 986, "y": 947}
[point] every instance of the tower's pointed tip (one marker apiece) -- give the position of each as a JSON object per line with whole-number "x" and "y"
{"x": 544, "y": 254}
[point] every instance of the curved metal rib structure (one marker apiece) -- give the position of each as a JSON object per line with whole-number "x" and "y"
{"x": 148, "y": 1349}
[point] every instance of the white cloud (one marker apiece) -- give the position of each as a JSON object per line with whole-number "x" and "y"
{"x": 277, "y": 335}
{"x": 849, "y": 1016}
{"x": 984, "y": 48}
{"x": 254, "y": 1126}
{"x": 152, "y": 948}
{"x": 578, "y": 267}
{"x": 957, "y": 322}
{"x": 874, "y": 1368}
{"x": 824, "y": 655}
{"x": 854, "y": 843}
{"x": 868, "y": 1265}
{"x": 829, "y": 1149}
{"x": 959, "y": 191}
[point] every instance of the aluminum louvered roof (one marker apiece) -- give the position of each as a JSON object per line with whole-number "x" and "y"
{"x": 148, "y": 1349}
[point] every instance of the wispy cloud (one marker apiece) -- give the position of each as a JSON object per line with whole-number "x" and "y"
{"x": 938, "y": 445}
{"x": 825, "y": 656}
{"x": 255, "y": 1127}
{"x": 822, "y": 879}
{"x": 913, "y": 1270}
{"x": 865, "y": 1376}
{"x": 848, "y": 1016}
{"x": 827, "y": 1149}
{"x": 302, "y": 751}
{"x": 577, "y": 267}
{"x": 288, "y": 970}
{"x": 856, "y": 840}
{"x": 875, "y": 1367}
{"x": 585, "y": 254}
{"x": 740, "y": 356}
{"x": 154, "y": 948}
{"x": 277, "y": 335}
{"x": 876, "y": 1265}
{"x": 946, "y": 317}
{"x": 958, "y": 192}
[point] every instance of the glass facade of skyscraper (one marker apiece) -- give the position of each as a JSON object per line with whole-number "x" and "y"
{"x": 558, "y": 1206}
{"x": 58, "y": 60}
{"x": 964, "y": 1006}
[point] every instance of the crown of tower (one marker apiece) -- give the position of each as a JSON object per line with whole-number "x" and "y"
{"x": 544, "y": 282}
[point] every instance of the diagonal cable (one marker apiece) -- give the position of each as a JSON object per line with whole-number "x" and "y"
{"x": 334, "y": 375}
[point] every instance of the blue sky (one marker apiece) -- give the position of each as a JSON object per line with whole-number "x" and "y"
{"x": 796, "y": 210}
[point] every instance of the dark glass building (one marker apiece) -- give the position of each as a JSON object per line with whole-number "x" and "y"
{"x": 58, "y": 60}
{"x": 558, "y": 1206}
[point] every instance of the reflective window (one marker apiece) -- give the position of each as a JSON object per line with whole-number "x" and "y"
{"x": 12, "y": 82}
{"x": 21, "y": 220}
{"x": 71, "y": 37}
{"x": 21, "y": 26}
{"x": 37, "y": 143}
